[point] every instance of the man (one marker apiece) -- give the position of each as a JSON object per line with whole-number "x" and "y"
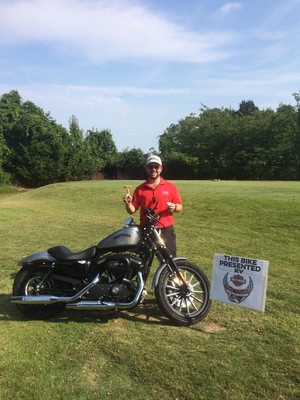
{"x": 161, "y": 194}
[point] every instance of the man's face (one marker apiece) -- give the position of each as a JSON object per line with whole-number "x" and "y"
{"x": 153, "y": 170}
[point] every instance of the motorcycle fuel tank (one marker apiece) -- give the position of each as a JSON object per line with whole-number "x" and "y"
{"x": 129, "y": 236}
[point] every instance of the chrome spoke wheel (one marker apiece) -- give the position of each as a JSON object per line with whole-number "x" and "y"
{"x": 185, "y": 298}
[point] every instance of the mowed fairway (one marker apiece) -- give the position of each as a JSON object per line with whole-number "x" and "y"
{"x": 235, "y": 353}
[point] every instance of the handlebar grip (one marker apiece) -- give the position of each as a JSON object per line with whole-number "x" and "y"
{"x": 151, "y": 214}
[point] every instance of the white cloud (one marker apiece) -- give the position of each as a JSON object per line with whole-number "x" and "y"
{"x": 229, "y": 7}
{"x": 107, "y": 30}
{"x": 145, "y": 90}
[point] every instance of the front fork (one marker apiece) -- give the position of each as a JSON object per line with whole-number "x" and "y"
{"x": 166, "y": 258}
{"x": 173, "y": 269}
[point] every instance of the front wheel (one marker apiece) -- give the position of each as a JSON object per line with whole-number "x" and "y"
{"x": 185, "y": 304}
{"x": 35, "y": 282}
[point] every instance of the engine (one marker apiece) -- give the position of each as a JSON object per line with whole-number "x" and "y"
{"x": 117, "y": 282}
{"x": 118, "y": 266}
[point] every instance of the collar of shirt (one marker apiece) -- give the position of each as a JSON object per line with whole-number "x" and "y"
{"x": 147, "y": 184}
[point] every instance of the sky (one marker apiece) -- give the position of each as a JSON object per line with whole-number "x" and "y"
{"x": 135, "y": 67}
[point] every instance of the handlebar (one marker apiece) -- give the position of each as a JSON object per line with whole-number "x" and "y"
{"x": 151, "y": 214}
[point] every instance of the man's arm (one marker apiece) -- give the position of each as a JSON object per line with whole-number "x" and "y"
{"x": 174, "y": 207}
{"x": 178, "y": 207}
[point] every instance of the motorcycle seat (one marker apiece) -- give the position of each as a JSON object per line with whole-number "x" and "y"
{"x": 64, "y": 254}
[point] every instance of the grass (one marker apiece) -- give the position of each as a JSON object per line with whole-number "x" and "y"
{"x": 235, "y": 353}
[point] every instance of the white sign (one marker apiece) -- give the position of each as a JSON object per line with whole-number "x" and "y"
{"x": 239, "y": 281}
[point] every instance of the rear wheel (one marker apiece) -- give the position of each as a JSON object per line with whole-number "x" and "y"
{"x": 34, "y": 283}
{"x": 184, "y": 304}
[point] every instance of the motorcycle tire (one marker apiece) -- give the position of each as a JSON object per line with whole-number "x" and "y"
{"x": 184, "y": 307}
{"x": 26, "y": 283}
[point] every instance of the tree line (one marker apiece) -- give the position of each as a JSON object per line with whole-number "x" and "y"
{"x": 219, "y": 143}
{"x": 35, "y": 150}
{"x": 248, "y": 143}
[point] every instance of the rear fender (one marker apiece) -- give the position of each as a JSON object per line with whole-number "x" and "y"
{"x": 161, "y": 268}
{"x": 42, "y": 258}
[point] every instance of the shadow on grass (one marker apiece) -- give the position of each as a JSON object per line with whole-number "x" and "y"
{"x": 147, "y": 313}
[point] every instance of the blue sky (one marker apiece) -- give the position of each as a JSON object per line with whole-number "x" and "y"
{"x": 137, "y": 66}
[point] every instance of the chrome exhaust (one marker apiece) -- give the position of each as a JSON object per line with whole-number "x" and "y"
{"x": 82, "y": 305}
{"x": 52, "y": 299}
{"x": 109, "y": 305}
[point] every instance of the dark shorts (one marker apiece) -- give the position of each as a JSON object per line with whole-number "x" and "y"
{"x": 169, "y": 237}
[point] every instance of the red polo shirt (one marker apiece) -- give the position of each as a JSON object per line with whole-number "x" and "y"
{"x": 145, "y": 196}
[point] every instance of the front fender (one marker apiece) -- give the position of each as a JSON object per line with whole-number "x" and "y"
{"x": 160, "y": 269}
{"x": 41, "y": 257}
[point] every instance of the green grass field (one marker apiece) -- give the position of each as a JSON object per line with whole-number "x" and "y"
{"x": 235, "y": 353}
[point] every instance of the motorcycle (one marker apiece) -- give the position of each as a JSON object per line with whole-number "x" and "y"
{"x": 112, "y": 276}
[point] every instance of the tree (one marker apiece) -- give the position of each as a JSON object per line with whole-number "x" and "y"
{"x": 244, "y": 144}
{"x": 247, "y": 108}
{"x": 10, "y": 108}
{"x": 251, "y": 144}
{"x": 4, "y": 153}
{"x": 76, "y": 167}
{"x": 10, "y": 104}
{"x": 297, "y": 142}
{"x": 285, "y": 154}
{"x": 38, "y": 147}
{"x": 180, "y": 166}
{"x": 131, "y": 164}
{"x": 200, "y": 140}
{"x": 100, "y": 149}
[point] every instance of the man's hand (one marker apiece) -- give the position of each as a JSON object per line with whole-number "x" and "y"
{"x": 127, "y": 199}
{"x": 171, "y": 206}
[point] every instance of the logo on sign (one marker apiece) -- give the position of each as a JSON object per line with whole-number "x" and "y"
{"x": 235, "y": 292}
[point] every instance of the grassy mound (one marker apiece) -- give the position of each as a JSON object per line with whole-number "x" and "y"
{"x": 235, "y": 353}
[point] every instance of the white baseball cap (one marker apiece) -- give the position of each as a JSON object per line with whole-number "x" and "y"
{"x": 154, "y": 159}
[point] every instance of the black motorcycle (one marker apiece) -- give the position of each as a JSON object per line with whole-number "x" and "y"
{"x": 112, "y": 276}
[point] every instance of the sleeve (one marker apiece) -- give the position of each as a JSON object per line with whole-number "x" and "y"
{"x": 176, "y": 196}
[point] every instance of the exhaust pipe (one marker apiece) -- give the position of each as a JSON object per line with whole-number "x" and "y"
{"x": 82, "y": 305}
{"x": 109, "y": 305}
{"x": 52, "y": 299}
